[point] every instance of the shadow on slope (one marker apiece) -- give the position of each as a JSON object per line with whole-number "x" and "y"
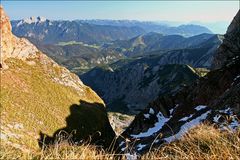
{"x": 87, "y": 122}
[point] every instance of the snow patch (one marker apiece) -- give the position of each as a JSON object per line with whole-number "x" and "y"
{"x": 131, "y": 156}
{"x": 184, "y": 128}
{"x": 146, "y": 116}
{"x": 232, "y": 124}
{"x": 157, "y": 126}
{"x": 216, "y": 118}
{"x": 121, "y": 143}
{"x": 123, "y": 149}
{"x": 171, "y": 110}
{"x": 186, "y": 118}
{"x": 151, "y": 111}
{"x": 156, "y": 141}
{"x": 141, "y": 146}
{"x": 226, "y": 111}
{"x": 236, "y": 78}
{"x": 200, "y": 107}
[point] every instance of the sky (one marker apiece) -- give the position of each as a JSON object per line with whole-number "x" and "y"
{"x": 180, "y": 11}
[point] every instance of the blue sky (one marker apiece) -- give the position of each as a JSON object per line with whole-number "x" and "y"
{"x": 184, "y": 11}
{"x": 216, "y": 15}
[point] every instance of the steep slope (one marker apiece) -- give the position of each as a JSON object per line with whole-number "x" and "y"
{"x": 129, "y": 85}
{"x": 39, "y": 98}
{"x": 214, "y": 98}
{"x": 51, "y": 32}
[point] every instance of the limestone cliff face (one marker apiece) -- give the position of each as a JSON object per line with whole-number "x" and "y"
{"x": 21, "y": 48}
{"x": 231, "y": 44}
{"x": 39, "y": 98}
{"x": 11, "y": 46}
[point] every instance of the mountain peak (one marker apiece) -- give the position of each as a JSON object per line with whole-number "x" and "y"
{"x": 33, "y": 20}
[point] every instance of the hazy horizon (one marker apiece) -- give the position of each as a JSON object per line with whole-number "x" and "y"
{"x": 207, "y": 13}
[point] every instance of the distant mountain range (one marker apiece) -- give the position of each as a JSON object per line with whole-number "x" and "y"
{"x": 81, "y": 45}
{"x": 163, "y": 28}
{"x": 155, "y": 42}
{"x": 94, "y": 31}
{"x": 79, "y": 57}
{"x": 41, "y": 30}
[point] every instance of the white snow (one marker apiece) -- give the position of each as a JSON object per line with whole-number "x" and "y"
{"x": 131, "y": 156}
{"x": 226, "y": 111}
{"x": 156, "y": 141}
{"x": 140, "y": 146}
{"x": 31, "y": 20}
{"x": 151, "y": 111}
{"x": 123, "y": 149}
{"x": 234, "y": 124}
{"x": 121, "y": 143}
{"x": 171, "y": 110}
{"x": 186, "y": 118}
{"x": 200, "y": 107}
{"x": 146, "y": 115}
{"x": 157, "y": 126}
{"x": 236, "y": 78}
{"x": 184, "y": 128}
{"x": 216, "y": 118}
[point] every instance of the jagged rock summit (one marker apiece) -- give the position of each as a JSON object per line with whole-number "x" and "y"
{"x": 39, "y": 99}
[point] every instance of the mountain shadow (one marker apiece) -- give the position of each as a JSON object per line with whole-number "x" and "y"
{"x": 87, "y": 122}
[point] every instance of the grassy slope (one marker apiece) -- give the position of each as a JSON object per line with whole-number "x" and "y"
{"x": 204, "y": 142}
{"x": 32, "y": 102}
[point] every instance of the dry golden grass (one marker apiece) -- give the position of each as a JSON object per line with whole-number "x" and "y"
{"x": 202, "y": 142}
{"x": 58, "y": 151}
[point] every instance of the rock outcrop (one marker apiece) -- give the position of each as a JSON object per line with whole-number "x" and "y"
{"x": 231, "y": 44}
{"x": 40, "y": 99}
{"x": 11, "y": 46}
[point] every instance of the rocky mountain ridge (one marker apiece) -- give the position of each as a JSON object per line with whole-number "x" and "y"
{"x": 154, "y": 43}
{"x": 53, "y": 32}
{"x": 214, "y": 98}
{"x": 231, "y": 44}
